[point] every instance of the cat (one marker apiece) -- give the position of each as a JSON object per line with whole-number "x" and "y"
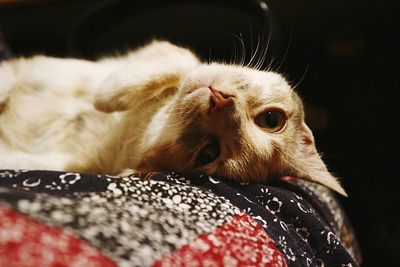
{"x": 157, "y": 108}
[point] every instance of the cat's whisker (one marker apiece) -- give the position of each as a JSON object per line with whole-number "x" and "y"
{"x": 286, "y": 51}
{"x": 235, "y": 54}
{"x": 233, "y": 59}
{"x": 209, "y": 59}
{"x": 243, "y": 48}
{"x": 282, "y": 151}
{"x": 331, "y": 155}
{"x": 269, "y": 99}
{"x": 251, "y": 47}
{"x": 254, "y": 55}
{"x": 183, "y": 111}
{"x": 171, "y": 125}
{"x": 178, "y": 123}
{"x": 302, "y": 78}
{"x": 157, "y": 97}
{"x": 262, "y": 56}
{"x": 278, "y": 66}
{"x": 130, "y": 158}
{"x": 294, "y": 167}
{"x": 270, "y": 66}
{"x": 141, "y": 111}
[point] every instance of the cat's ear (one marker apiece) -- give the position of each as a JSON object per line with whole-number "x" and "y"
{"x": 310, "y": 164}
{"x": 126, "y": 91}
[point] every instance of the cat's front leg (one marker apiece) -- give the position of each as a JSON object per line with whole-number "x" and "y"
{"x": 127, "y": 172}
{"x": 131, "y": 172}
{"x": 10, "y": 159}
{"x": 7, "y": 81}
{"x": 144, "y": 77}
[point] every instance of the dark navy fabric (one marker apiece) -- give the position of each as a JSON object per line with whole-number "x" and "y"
{"x": 304, "y": 219}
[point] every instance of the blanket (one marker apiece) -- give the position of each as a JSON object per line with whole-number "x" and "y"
{"x": 53, "y": 218}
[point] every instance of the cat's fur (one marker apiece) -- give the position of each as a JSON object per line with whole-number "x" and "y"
{"x": 152, "y": 110}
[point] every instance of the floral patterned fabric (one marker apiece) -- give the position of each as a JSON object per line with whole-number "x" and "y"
{"x": 169, "y": 220}
{"x": 241, "y": 242}
{"x": 26, "y": 242}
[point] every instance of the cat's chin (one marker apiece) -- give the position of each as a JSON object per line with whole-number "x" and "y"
{"x": 198, "y": 98}
{"x": 200, "y": 90}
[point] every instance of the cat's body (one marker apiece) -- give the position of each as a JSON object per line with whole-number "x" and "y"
{"x": 155, "y": 109}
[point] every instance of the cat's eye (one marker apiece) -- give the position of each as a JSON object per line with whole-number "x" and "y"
{"x": 271, "y": 120}
{"x": 208, "y": 153}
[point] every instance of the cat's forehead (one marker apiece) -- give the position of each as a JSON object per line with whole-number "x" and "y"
{"x": 223, "y": 73}
{"x": 257, "y": 88}
{"x": 266, "y": 88}
{"x": 267, "y": 84}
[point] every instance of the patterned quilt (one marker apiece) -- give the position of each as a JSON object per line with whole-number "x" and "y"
{"x": 74, "y": 219}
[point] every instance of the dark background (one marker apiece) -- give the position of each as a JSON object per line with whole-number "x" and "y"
{"x": 345, "y": 54}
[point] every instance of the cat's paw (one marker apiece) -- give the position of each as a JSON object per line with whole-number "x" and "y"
{"x": 127, "y": 173}
{"x": 7, "y": 82}
{"x": 4, "y": 95}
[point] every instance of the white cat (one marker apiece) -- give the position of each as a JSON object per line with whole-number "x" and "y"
{"x": 155, "y": 109}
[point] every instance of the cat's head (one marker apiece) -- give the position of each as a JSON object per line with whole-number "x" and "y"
{"x": 236, "y": 122}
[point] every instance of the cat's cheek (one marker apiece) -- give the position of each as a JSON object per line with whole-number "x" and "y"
{"x": 166, "y": 157}
{"x": 199, "y": 96}
{"x": 143, "y": 167}
{"x": 149, "y": 163}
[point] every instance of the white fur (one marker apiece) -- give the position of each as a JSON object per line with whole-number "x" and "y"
{"x": 43, "y": 97}
{"x": 150, "y": 110}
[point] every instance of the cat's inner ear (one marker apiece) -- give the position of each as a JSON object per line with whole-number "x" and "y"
{"x": 310, "y": 165}
{"x": 123, "y": 93}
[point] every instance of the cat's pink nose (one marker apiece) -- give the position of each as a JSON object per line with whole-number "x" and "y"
{"x": 219, "y": 100}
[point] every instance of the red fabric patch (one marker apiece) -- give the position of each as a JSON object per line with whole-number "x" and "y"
{"x": 26, "y": 242}
{"x": 240, "y": 242}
